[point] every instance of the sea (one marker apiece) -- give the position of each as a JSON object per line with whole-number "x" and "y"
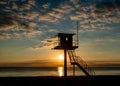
{"x": 53, "y": 71}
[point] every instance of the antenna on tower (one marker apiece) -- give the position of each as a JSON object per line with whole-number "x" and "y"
{"x": 77, "y": 35}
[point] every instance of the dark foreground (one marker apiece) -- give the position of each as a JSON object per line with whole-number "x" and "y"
{"x": 61, "y": 81}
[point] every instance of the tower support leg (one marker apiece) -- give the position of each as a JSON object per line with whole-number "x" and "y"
{"x": 65, "y": 63}
{"x": 73, "y": 70}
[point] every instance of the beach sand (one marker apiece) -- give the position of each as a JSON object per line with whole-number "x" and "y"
{"x": 61, "y": 81}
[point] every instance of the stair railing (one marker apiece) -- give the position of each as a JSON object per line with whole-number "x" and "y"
{"x": 78, "y": 60}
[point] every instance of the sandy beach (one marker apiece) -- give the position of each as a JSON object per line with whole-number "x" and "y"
{"x": 61, "y": 81}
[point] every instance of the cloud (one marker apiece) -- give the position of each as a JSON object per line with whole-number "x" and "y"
{"x": 97, "y": 16}
{"x": 46, "y": 18}
{"x": 29, "y": 15}
{"x": 78, "y": 16}
{"x": 63, "y": 8}
{"x": 32, "y": 2}
{"x": 15, "y": 6}
{"x": 32, "y": 24}
{"x": 108, "y": 12}
{"x": 13, "y": 20}
{"x": 66, "y": 7}
{"x": 7, "y": 22}
{"x": 108, "y": 40}
{"x": 46, "y": 43}
{"x": 17, "y": 35}
{"x": 52, "y": 30}
{"x": 52, "y": 17}
{"x": 56, "y": 15}
{"x": 5, "y": 36}
{"x": 75, "y": 2}
{"x": 3, "y": 2}
{"x": 25, "y": 7}
{"x": 46, "y": 6}
{"x": 59, "y": 10}
{"x": 31, "y": 33}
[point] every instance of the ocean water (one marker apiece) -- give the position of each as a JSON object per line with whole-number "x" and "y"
{"x": 51, "y": 71}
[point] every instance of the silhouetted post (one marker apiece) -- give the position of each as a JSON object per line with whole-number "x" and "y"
{"x": 73, "y": 70}
{"x": 65, "y": 63}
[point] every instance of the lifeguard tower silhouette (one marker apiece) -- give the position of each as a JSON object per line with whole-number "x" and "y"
{"x": 65, "y": 42}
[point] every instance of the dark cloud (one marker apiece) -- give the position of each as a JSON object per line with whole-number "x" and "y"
{"x": 108, "y": 11}
{"x": 13, "y": 17}
{"x": 109, "y": 6}
{"x": 6, "y": 20}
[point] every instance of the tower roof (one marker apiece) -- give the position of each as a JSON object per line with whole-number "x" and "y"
{"x": 65, "y": 34}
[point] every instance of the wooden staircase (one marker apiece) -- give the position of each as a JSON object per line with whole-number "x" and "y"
{"x": 77, "y": 60}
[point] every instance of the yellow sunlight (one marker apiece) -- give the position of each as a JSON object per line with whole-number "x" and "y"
{"x": 60, "y": 57}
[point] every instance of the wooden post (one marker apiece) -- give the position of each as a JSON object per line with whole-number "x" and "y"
{"x": 73, "y": 70}
{"x": 65, "y": 63}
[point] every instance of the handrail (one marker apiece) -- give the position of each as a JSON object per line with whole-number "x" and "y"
{"x": 80, "y": 62}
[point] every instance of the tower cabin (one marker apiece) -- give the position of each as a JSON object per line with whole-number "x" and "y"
{"x": 65, "y": 41}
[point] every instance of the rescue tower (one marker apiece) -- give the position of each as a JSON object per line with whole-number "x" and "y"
{"x": 65, "y": 42}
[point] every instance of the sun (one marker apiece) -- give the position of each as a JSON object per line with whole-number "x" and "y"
{"x": 60, "y": 57}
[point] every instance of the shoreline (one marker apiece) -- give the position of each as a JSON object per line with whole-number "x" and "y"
{"x": 99, "y": 80}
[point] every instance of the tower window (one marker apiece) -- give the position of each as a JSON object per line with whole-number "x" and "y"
{"x": 66, "y": 38}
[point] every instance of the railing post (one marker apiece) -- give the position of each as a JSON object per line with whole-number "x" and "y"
{"x": 73, "y": 70}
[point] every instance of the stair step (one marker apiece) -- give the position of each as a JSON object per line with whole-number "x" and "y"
{"x": 74, "y": 63}
{"x": 76, "y": 60}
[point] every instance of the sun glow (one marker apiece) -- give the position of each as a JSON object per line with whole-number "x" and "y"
{"x": 60, "y": 71}
{"x": 60, "y": 57}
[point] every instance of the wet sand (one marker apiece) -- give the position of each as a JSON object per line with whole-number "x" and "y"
{"x": 61, "y": 81}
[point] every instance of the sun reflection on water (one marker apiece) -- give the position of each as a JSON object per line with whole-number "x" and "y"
{"x": 60, "y": 71}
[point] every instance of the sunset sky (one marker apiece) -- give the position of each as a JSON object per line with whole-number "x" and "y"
{"x": 28, "y": 27}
